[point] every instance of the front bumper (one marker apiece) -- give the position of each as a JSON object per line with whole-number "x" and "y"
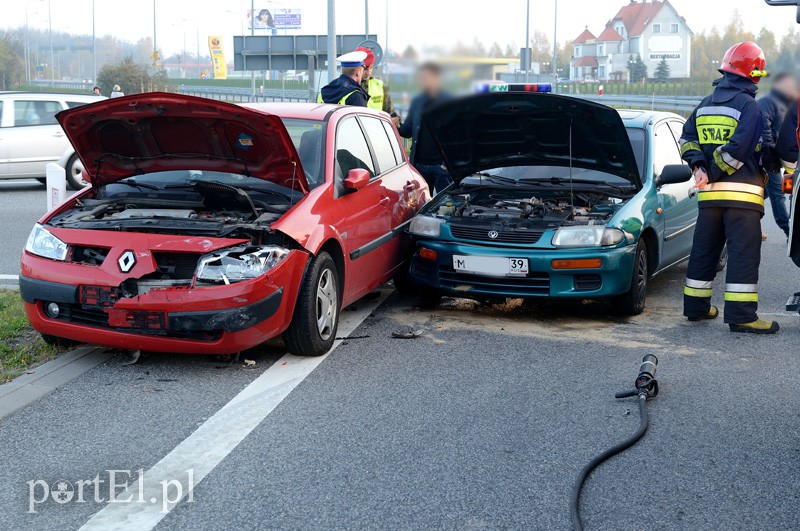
{"x": 205, "y": 320}
{"x": 543, "y": 281}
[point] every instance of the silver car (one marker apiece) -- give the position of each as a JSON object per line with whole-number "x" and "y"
{"x": 30, "y": 136}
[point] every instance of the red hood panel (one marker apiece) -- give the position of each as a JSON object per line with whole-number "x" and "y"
{"x": 120, "y": 137}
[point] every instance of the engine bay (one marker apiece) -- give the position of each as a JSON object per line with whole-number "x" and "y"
{"x": 524, "y": 210}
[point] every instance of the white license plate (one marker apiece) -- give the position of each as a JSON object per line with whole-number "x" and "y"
{"x": 491, "y": 265}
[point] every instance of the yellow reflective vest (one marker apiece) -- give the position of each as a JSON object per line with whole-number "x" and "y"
{"x": 341, "y": 101}
{"x": 375, "y": 91}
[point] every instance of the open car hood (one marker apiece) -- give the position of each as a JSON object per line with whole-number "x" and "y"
{"x": 120, "y": 137}
{"x": 499, "y": 129}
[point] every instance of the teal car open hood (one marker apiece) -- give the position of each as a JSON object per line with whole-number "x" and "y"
{"x": 500, "y": 129}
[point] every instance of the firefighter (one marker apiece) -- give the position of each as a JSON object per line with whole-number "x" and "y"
{"x": 720, "y": 142}
{"x": 346, "y": 89}
{"x": 379, "y": 97}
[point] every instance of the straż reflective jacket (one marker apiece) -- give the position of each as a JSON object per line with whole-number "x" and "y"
{"x": 722, "y": 136}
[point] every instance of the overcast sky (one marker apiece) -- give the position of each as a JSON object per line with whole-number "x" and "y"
{"x": 416, "y": 22}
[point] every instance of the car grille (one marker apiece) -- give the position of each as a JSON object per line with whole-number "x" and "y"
{"x": 178, "y": 266}
{"x": 503, "y": 236}
{"x": 89, "y": 255}
{"x": 532, "y": 285}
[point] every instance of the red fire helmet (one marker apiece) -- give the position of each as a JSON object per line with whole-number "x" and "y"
{"x": 745, "y": 59}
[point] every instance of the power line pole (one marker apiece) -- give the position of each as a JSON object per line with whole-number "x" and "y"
{"x": 331, "y": 40}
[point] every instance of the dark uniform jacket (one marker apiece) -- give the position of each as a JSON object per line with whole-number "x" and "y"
{"x": 344, "y": 87}
{"x": 773, "y": 108}
{"x": 787, "y": 138}
{"x": 722, "y": 136}
{"x": 411, "y": 126}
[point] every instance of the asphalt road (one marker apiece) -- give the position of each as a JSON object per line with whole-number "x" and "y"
{"x": 481, "y": 423}
{"x": 22, "y": 203}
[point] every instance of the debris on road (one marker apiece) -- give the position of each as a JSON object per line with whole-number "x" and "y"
{"x": 249, "y": 363}
{"x": 407, "y": 334}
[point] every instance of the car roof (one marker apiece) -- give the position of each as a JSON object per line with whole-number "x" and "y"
{"x": 51, "y": 95}
{"x": 639, "y": 118}
{"x": 309, "y": 111}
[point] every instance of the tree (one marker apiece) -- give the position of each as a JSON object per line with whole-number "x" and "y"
{"x": 410, "y": 52}
{"x": 133, "y": 78}
{"x": 638, "y": 69}
{"x": 495, "y": 50}
{"x": 662, "y": 73}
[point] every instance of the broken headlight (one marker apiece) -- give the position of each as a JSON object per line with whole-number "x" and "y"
{"x": 243, "y": 262}
{"x": 43, "y": 243}
{"x": 587, "y": 236}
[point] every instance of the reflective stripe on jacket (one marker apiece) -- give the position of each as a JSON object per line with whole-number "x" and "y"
{"x": 341, "y": 101}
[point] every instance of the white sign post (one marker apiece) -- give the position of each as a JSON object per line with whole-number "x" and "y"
{"x": 56, "y": 185}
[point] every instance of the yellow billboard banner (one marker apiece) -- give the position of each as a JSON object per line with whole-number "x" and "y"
{"x": 217, "y": 57}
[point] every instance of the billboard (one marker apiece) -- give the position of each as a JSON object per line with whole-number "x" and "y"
{"x": 218, "y": 63}
{"x": 277, "y": 18}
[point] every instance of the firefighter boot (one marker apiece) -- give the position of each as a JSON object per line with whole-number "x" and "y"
{"x": 758, "y": 326}
{"x": 713, "y": 313}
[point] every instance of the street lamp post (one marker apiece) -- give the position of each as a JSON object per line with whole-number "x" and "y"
{"x": 331, "y": 40}
{"x": 155, "y": 45}
{"x": 94, "y": 48}
{"x": 52, "y": 56}
{"x": 555, "y": 44}
{"x": 252, "y": 33}
{"x": 366, "y": 19}
{"x": 527, "y": 57}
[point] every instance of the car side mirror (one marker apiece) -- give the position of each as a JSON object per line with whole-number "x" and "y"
{"x": 673, "y": 174}
{"x": 356, "y": 179}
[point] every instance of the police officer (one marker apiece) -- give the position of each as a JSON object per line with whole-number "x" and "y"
{"x": 346, "y": 89}
{"x": 721, "y": 143}
{"x": 379, "y": 97}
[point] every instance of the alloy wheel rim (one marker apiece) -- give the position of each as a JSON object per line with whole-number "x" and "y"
{"x": 326, "y": 304}
{"x": 641, "y": 276}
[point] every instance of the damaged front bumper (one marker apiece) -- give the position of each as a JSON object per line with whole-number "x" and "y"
{"x": 218, "y": 319}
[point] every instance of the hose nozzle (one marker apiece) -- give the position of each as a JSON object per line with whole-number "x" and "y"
{"x": 646, "y": 382}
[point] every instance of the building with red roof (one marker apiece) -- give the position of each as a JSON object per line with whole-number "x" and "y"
{"x": 652, "y": 30}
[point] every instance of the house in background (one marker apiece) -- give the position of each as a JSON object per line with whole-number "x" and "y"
{"x": 653, "y": 30}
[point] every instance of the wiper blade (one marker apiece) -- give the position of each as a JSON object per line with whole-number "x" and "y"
{"x": 495, "y": 178}
{"x": 131, "y": 182}
{"x": 564, "y": 181}
{"x": 258, "y": 189}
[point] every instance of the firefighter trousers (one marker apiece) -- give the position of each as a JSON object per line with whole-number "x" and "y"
{"x": 741, "y": 228}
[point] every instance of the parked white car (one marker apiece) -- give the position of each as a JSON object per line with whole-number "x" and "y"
{"x": 30, "y": 136}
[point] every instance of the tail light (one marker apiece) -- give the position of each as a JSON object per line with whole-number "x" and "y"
{"x": 788, "y": 183}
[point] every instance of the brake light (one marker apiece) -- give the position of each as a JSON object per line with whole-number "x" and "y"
{"x": 788, "y": 183}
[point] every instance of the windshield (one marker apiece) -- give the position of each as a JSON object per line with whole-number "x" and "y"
{"x": 178, "y": 183}
{"x": 637, "y": 137}
{"x": 307, "y": 138}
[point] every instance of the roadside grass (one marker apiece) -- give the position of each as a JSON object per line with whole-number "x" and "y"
{"x": 21, "y": 348}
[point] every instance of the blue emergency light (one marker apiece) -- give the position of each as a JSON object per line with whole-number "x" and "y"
{"x": 530, "y": 87}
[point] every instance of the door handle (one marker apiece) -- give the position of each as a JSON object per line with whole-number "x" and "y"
{"x": 384, "y": 201}
{"x": 59, "y": 134}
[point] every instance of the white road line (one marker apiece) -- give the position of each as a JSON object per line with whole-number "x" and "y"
{"x": 9, "y": 277}
{"x": 214, "y": 439}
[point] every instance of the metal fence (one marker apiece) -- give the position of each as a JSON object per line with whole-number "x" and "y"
{"x": 238, "y": 94}
{"x": 678, "y": 104}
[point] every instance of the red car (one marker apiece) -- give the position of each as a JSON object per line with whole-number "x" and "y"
{"x": 210, "y": 228}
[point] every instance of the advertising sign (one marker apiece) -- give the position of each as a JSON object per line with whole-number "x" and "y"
{"x": 217, "y": 57}
{"x": 275, "y": 19}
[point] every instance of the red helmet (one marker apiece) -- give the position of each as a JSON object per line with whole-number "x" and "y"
{"x": 745, "y": 59}
{"x": 370, "y": 60}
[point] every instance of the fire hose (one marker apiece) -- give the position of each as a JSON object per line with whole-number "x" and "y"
{"x": 646, "y": 387}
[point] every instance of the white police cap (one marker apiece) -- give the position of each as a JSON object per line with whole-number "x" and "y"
{"x": 355, "y": 58}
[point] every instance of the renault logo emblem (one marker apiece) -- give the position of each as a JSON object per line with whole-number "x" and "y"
{"x": 126, "y": 261}
{"x": 493, "y": 234}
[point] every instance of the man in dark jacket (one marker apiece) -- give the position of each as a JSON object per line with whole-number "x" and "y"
{"x": 346, "y": 89}
{"x": 773, "y": 108}
{"x": 786, "y": 145}
{"x": 425, "y": 154}
{"x": 720, "y": 142}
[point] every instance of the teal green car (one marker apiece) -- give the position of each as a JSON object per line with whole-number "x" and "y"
{"x": 553, "y": 197}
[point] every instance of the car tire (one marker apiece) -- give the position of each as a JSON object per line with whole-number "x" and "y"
{"x": 60, "y": 342}
{"x": 633, "y": 301}
{"x": 723, "y": 259}
{"x": 74, "y": 170}
{"x": 402, "y": 281}
{"x": 429, "y": 297}
{"x": 316, "y": 313}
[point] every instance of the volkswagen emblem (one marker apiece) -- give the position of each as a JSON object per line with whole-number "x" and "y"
{"x": 126, "y": 261}
{"x": 493, "y": 234}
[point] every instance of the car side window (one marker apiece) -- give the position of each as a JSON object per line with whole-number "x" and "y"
{"x": 352, "y": 150}
{"x": 73, "y": 104}
{"x": 34, "y": 112}
{"x": 665, "y": 149}
{"x": 398, "y": 150}
{"x": 380, "y": 143}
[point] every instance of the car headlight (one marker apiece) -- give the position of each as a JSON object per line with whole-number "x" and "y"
{"x": 43, "y": 243}
{"x": 425, "y": 226}
{"x": 243, "y": 262}
{"x": 587, "y": 236}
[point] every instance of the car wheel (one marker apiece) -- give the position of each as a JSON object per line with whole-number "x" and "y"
{"x": 75, "y": 173}
{"x": 633, "y": 301}
{"x": 60, "y": 342}
{"x": 723, "y": 259}
{"x": 429, "y": 296}
{"x": 316, "y": 314}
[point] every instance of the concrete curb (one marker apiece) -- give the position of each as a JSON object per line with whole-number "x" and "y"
{"x": 46, "y": 378}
